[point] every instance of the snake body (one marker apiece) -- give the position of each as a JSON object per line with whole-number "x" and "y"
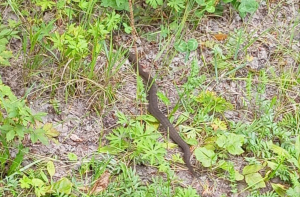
{"x": 154, "y": 110}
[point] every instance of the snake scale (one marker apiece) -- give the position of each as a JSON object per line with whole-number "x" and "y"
{"x": 155, "y": 111}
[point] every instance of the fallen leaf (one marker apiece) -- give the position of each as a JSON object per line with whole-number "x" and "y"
{"x": 101, "y": 184}
{"x": 50, "y": 131}
{"x": 220, "y": 36}
{"x": 75, "y": 138}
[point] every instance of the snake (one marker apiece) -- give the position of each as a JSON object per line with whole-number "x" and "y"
{"x": 157, "y": 113}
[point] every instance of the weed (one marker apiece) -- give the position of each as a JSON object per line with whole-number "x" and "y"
{"x": 144, "y": 146}
{"x": 17, "y": 121}
{"x": 66, "y": 48}
{"x": 266, "y": 194}
{"x": 6, "y": 33}
{"x": 41, "y": 185}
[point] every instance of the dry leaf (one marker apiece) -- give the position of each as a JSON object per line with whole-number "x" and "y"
{"x": 50, "y": 131}
{"x": 101, "y": 184}
{"x": 220, "y": 36}
{"x": 75, "y": 138}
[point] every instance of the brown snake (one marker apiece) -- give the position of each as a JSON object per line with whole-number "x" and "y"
{"x": 154, "y": 110}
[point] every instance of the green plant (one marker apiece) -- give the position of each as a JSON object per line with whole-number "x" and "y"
{"x": 6, "y": 33}
{"x": 212, "y": 103}
{"x": 116, "y": 4}
{"x": 291, "y": 122}
{"x": 41, "y": 184}
{"x": 230, "y": 142}
{"x": 245, "y": 6}
{"x": 186, "y": 192}
{"x": 74, "y": 42}
{"x": 154, "y": 3}
{"x": 209, "y": 5}
{"x": 193, "y": 83}
{"x": 252, "y": 176}
{"x": 139, "y": 138}
{"x": 186, "y": 47}
{"x": 176, "y": 4}
{"x": 233, "y": 175}
{"x": 160, "y": 187}
{"x": 266, "y": 194}
{"x": 17, "y": 120}
{"x": 56, "y": 106}
{"x": 207, "y": 157}
{"x": 294, "y": 191}
{"x": 45, "y": 4}
{"x": 128, "y": 184}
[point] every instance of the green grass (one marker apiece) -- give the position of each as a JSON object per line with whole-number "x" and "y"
{"x": 242, "y": 122}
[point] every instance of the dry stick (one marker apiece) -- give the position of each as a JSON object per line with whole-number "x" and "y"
{"x": 133, "y": 32}
{"x": 134, "y": 38}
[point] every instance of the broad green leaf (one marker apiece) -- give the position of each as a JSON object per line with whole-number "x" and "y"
{"x": 127, "y": 28}
{"x": 255, "y": 180}
{"x": 210, "y": 8}
{"x": 109, "y": 149}
{"x": 272, "y": 165}
{"x": 232, "y": 143}
{"x": 238, "y": 176}
{"x": 205, "y": 156}
{"x": 63, "y": 186}
{"x": 3, "y": 42}
{"x": 192, "y": 44}
{"x": 50, "y": 168}
{"x": 190, "y": 133}
{"x": 201, "y": 2}
{"x": 10, "y": 135}
{"x": 279, "y": 189}
{"x": 19, "y": 129}
{"x": 249, "y": 6}
{"x": 37, "y": 182}
{"x": 181, "y": 46}
{"x": 39, "y": 134}
{"x": 38, "y": 116}
{"x": 72, "y": 157}
{"x": 6, "y": 54}
{"x": 218, "y": 124}
{"x": 251, "y": 169}
{"x": 280, "y": 151}
{"x": 5, "y": 32}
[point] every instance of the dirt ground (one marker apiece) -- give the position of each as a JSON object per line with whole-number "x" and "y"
{"x": 82, "y": 131}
